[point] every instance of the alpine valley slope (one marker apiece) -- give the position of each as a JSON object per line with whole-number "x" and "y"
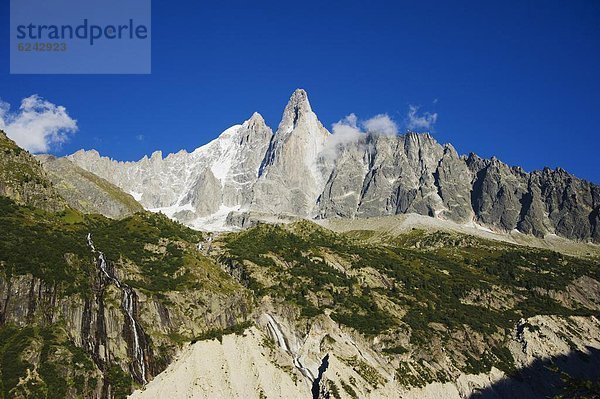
{"x": 94, "y": 307}
{"x": 249, "y": 170}
{"x": 418, "y": 315}
{"x": 89, "y": 306}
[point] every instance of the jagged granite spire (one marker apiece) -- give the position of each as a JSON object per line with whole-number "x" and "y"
{"x": 297, "y": 109}
{"x": 289, "y": 178}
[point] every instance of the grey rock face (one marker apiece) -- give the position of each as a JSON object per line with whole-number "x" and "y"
{"x": 389, "y": 174}
{"x": 205, "y": 195}
{"x": 248, "y": 169}
{"x": 570, "y": 203}
{"x": 541, "y": 202}
{"x": 452, "y": 179}
{"x": 344, "y": 188}
{"x": 386, "y": 175}
{"x": 289, "y": 177}
{"x": 497, "y": 193}
{"x": 252, "y": 141}
{"x": 534, "y": 218}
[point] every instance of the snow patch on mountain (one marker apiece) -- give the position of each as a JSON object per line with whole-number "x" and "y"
{"x": 216, "y": 221}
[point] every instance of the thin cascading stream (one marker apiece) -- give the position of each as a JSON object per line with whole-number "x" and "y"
{"x": 128, "y": 305}
{"x": 281, "y": 341}
{"x": 138, "y": 351}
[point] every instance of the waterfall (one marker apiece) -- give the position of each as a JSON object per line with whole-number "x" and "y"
{"x": 128, "y": 305}
{"x": 280, "y": 337}
{"x": 277, "y": 333}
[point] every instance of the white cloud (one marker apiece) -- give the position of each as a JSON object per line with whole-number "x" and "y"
{"x": 424, "y": 121}
{"x": 4, "y": 108}
{"x": 343, "y": 132}
{"x": 139, "y": 137}
{"x": 346, "y": 130}
{"x": 38, "y": 125}
{"x": 381, "y": 124}
{"x": 350, "y": 129}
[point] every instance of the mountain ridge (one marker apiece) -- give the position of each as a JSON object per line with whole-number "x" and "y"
{"x": 86, "y": 191}
{"x": 374, "y": 174}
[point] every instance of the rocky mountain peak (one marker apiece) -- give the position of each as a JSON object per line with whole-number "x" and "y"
{"x": 297, "y": 110}
{"x": 289, "y": 170}
{"x": 83, "y": 153}
{"x": 256, "y": 123}
{"x": 299, "y": 100}
{"x": 449, "y": 149}
{"x": 256, "y": 118}
{"x": 156, "y": 156}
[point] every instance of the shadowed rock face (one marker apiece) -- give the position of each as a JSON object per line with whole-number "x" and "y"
{"x": 387, "y": 175}
{"x": 569, "y": 376}
{"x": 299, "y": 171}
{"x": 541, "y": 202}
{"x": 23, "y": 180}
{"x": 413, "y": 173}
{"x": 87, "y": 192}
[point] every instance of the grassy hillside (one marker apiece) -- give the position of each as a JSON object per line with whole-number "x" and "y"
{"x": 23, "y": 179}
{"x": 87, "y": 192}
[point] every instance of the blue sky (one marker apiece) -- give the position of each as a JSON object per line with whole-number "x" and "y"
{"x": 516, "y": 79}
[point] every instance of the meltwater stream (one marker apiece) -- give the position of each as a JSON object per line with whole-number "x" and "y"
{"x": 280, "y": 337}
{"x": 128, "y": 305}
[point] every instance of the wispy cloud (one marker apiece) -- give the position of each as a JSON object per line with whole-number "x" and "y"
{"x": 351, "y": 129}
{"x": 139, "y": 137}
{"x": 420, "y": 121}
{"x": 38, "y": 125}
{"x": 381, "y": 124}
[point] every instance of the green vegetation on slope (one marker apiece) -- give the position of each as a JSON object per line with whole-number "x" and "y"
{"x": 23, "y": 179}
{"x": 115, "y": 192}
{"x": 416, "y": 281}
{"x": 87, "y": 192}
{"x": 62, "y": 368}
{"x": 150, "y": 252}
{"x": 35, "y": 242}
